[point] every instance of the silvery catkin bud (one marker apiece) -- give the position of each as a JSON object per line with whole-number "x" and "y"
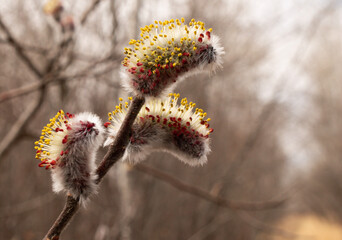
{"x": 169, "y": 51}
{"x": 163, "y": 125}
{"x": 68, "y": 147}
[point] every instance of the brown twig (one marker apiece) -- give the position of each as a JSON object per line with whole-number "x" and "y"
{"x": 19, "y": 125}
{"x": 88, "y": 11}
{"x": 222, "y": 202}
{"x": 117, "y": 149}
{"x": 20, "y": 51}
{"x": 70, "y": 208}
{"x": 115, "y": 152}
{"x": 44, "y": 51}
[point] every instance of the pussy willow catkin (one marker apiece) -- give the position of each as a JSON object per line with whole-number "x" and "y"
{"x": 164, "y": 125}
{"x": 67, "y": 147}
{"x": 167, "y": 52}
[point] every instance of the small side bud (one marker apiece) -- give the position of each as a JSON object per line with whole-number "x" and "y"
{"x": 57, "y": 10}
{"x": 54, "y": 8}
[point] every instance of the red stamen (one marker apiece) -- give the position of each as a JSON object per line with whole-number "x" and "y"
{"x": 65, "y": 139}
{"x": 106, "y": 124}
{"x": 157, "y": 72}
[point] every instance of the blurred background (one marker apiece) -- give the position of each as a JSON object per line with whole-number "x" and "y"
{"x": 276, "y": 108}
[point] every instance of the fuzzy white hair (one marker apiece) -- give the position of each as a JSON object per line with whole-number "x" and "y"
{"x": 75, "y": 173}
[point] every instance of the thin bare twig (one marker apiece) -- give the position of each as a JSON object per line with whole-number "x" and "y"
{"x": 115, "y": 152}
{"x": 20, "y": 51}
{"x": 44, "y": 51}
{"x": 88, "y": 11}
{"x": 31, "y": 87}
{"x": 33, "y": 107}
{"x": 20, "y": 124}
{"x": 222, "y": 202}
{"x": 70, "y": 208}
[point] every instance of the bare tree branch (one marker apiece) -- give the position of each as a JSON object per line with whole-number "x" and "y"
{"x": 69, "y": 210}
{"x": 20, "y": 51}
{"x": 43, "y": 51}
{"x": 21, "y": 123}
{"x": 31, "y": 87}
{"x": 237, "y": 205}
{"x": 88, "y": 11}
